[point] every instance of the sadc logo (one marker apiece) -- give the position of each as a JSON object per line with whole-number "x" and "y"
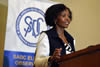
{"x": 29, "y": 24}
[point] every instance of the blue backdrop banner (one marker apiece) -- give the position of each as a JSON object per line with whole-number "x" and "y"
{"x": 25, "y": 22}
{"x": 18, "y": 59}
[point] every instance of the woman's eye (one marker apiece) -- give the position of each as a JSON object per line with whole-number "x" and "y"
{"x": 64, "y": 15}
{"x": 69, "y": 16}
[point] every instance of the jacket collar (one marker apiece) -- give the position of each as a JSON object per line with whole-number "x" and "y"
{"x": 55, "y": 34}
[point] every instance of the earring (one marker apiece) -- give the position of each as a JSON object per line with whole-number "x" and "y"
{"x": 55, "y": 22}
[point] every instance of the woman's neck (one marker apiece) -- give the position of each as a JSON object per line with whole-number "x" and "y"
{"x": 60, "y": 30}
{"x": 61, "y": 35}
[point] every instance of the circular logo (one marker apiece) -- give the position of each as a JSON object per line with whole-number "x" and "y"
{"x": 29, "y": 24}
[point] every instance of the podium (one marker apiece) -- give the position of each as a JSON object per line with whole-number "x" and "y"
{"x": 89, "y": 57}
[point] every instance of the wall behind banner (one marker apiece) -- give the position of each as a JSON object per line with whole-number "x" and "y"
{"x": 84, "y": 27}
{"x": 3, "y": 17}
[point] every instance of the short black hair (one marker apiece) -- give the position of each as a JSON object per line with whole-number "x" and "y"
{"x": 53, "y": 11}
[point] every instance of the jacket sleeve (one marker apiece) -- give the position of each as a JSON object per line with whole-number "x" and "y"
{"x": 42, "y": 51}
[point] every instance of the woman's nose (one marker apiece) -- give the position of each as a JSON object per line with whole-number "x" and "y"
{"x": 68, "y": 19}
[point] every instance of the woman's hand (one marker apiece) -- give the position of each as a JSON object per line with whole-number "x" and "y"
{"x": 56, "y": 55}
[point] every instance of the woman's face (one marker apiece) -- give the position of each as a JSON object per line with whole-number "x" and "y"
{"x": 63, "y": 19}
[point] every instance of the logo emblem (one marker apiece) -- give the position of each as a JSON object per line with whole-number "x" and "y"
{"x": 29, "y": 24}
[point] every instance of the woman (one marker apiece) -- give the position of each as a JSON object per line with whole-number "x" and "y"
{"x": 55, "y": 42}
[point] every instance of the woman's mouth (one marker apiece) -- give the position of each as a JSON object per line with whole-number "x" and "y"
{"x": 67, "y": 22}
